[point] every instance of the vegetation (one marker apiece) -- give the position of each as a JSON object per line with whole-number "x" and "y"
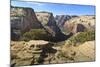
{"x": 35, "y": 34}
{"x": 82, "y": 37}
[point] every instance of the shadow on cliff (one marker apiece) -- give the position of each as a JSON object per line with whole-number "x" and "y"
{"x": 55, "y": 33}
{"x": 47, "y": 50}
{"x": 61, "y": 37}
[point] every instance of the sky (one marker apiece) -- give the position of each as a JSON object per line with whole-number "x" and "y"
{"x": 57, "y": 9}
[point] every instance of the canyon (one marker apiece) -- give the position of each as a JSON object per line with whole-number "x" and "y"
{"x": 59, "y": 31}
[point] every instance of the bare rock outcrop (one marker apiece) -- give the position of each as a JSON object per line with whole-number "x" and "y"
{"x": 45, "y": 17}
{"x": 74, "y": 28}
{"x": 29, "y": 53}
{"x": 80, "y": 24}
{"x": 61, "y": 19}
{"x": 24, "y": 19}
{"x": 43, "y": 52}
{"x": 48, "y": 21}
{"x": 50, "y": 25}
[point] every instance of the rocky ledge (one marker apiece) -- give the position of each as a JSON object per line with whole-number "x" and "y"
{"x": 27, "y": 53}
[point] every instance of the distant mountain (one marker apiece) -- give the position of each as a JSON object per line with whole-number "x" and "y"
{"x": 80, "y": 24}
{"x": 61, "y": 19}
{"x": 48, "y": 21}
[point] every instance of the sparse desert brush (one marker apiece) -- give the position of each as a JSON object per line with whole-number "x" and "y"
{"x": 81, "y": 37}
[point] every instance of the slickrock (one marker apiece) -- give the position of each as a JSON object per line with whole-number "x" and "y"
{"x": 27, "y": 53}
{"x": 82, "y": 52}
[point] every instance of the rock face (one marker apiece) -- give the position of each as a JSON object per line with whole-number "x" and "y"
{"x": 24, "y": 19}
{"x": 49, "y": 23}
{"x": 43, "y": 52}
{"x": 74, "y": 28}
{"x": 27, "y": 53}
{"x": 44, "y": 17}
{"x": 61, "y": 19}
{"x": 32, "y": 52}
{"x": 79, "y": 24}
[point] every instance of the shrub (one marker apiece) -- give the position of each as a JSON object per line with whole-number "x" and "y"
{"x": 35, "y": 34}
{"x": 82, "y": 37}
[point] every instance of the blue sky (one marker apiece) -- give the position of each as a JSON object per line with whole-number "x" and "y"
{"x": 57, "y": 9}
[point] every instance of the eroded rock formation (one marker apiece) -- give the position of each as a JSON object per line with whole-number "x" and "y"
{"x": 79, "y": 24}
{"x": 50, "y": 25}
{"x": 24, "y": 19}
{"x": 61, "y": 19}
{"x": 48, "y": 21}
{"x": 28, "y": 53}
